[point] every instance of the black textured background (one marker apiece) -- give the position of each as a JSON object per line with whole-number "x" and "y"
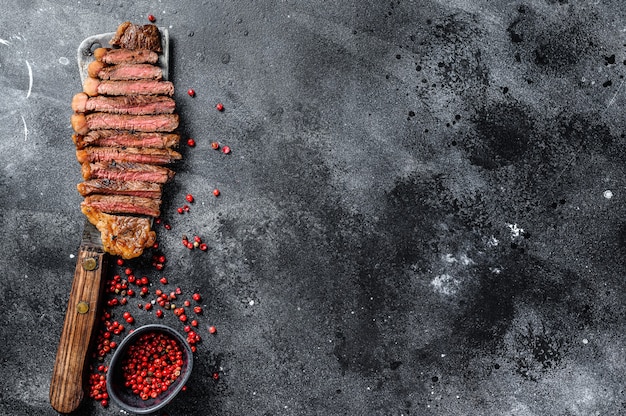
{"x": 422, "y": 214}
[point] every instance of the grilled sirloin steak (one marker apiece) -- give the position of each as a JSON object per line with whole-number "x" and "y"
{"x": 126, "y": 172}
{"x": 123, "y": 138}
{"x": 129, "y": 154}
{"x": 112, "y": 187}
{"x": 124, "y": 72}
{"x": 124, "y": 204}
{"x": 83, "y": 123}
{"x": 125, "y": 56}
{"x": 125, "y": 124}
{"x": 124, "y": 104}
{"x": 93, "y": 86}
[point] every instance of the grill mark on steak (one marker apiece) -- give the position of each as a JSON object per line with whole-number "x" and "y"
{"x": 112, "y": 187}
{"x": 124, "y": 236}
{"x": 103, "y": 121}
{"x": 93, "y": 86}
{"x": 131, "y": 36}
{"x": 124, "y": 204}
{"x": 126, "y": 56}
{"x": 126, "y": 172}
{"x": 130, "y": 154}
{"x": 121, "y": 138}
{"x": 132, "y": 104}
{"x": 124, "y": 72}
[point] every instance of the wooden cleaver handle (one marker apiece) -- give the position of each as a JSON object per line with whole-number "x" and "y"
{"x": 66, "y": 386}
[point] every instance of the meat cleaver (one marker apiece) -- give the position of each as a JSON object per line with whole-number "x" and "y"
{"x": 81, "y": 317}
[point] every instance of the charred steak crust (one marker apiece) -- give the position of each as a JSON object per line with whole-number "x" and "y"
{"x": 132, "y": 36}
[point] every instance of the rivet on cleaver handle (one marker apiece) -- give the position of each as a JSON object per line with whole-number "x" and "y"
{"x": 66, "y": 386}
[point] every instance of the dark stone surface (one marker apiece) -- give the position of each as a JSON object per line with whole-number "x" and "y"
{"x": 422, "y": 214}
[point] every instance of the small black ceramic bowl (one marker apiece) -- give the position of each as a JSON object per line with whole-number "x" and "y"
{"x": 123, "y": 396}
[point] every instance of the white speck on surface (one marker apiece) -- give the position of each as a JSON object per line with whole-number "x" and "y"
{"x": 25, "y": 128}
{"x": 251, "y": 303}
{"x": 445, "y": 284}
{"x": 493, "y": 242}
{"x": 516, "y": 231}
{"x": 71, "y": 256}
{"x": 5, "y": 42}
{"x": 63, "y": 60}
{"x": 30, "y": 78}
{"x": 608, "y": 194}
{"x": 585, "y": 341}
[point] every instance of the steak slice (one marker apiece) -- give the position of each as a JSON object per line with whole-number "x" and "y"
{"x": 132, "y": 36}
{"x": 82, "y": 123}
{"x": 129, "y": 154}
{"x": 124, "y": 204}
{"x": 126, "y": 172}
{"x": 111, "y": 187}
{"x": 125, "y": 56}
{"x": 122, "y": 138}
{"x": 132, "y": 104}
{"x": 123, "y": 236}
{"x": 124, "y": 72}
{"x": 93, "y": 86}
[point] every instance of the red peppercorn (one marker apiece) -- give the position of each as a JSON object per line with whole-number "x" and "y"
{"x": 168, "y": 227}
{"x": 120, "y": 262}
{"x": 215, "y": 145}
{"x": 187, "y": 303}
{"x": 196, "y": 296}
{"x": 216, "y": 192}
{"x": 144, "y": 291}
{"x": 159, "y": 313}
{"x": 194, "y": 322}
{"x": 186, "y": 208}
{"x": 219, "y": 107}
{"x": 178, "y": 291}
{"x": 216, "y": 376}
{"x": 180, "y": 210}
{"x": 183, "y": 318}
{"x": 191, "y": 92}
{"x": 151, "y": 18}
{"x": 189, "y": 198}
{"x": 127, "y": 271}
{"x": 212, "y": 330}
{"x": 226, "y": 150}
{"x": 163, "y": 280}
{"x": 197, "y": 310}
{"x": 204, "y": 247}
{"x": 191, "y": 142}
{"x": 148, "y": 306}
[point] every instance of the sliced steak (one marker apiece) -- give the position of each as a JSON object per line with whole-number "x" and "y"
{"x": 130, "y": 154}
{"x": 132, "y": 36}
{"x": 126, "y": 56}
{"x": 121, "y": 138}
{"x": 124, "y": 204}
{"x": 126, "y": 172}
{"x": 93, "y": 86}
{"x": 82, "y": 123}
{"x": 132, "y": 104}
{"x": 111, "y": 187}
{"x": 122, "y": 235}
{"x": 124, "y": 72}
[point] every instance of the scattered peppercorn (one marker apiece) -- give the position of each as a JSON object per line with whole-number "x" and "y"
{"x": 215, "y": 145}
{"x": 226, "y": 150}
{"x": 219, "y": 107}
{"x": 216, "y": 192}
{"x": 191, "y": 142}
{"x": 151, "y": 18}
{"x": 189, "y": 198}
{"x": 191, "y": 92}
